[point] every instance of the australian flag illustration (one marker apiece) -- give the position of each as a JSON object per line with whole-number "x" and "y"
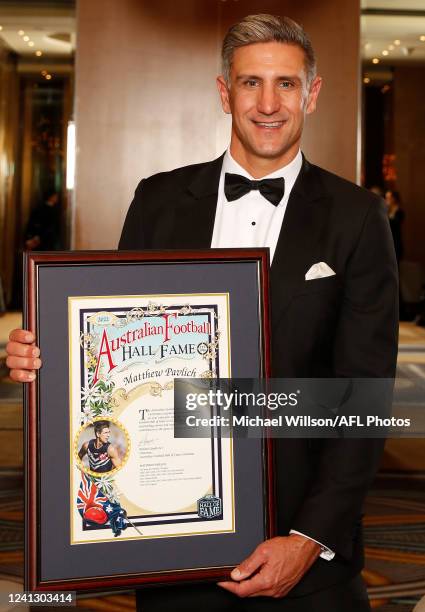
{"x": 97, "y": 509}
{"x": 116, "y": 516}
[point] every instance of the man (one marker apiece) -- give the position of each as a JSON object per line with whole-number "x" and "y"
{"x": 341, "y": 323}
{"x": 43, "y": 229}
{"x": 102, "y": 455}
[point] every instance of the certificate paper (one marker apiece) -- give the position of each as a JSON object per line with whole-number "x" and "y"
{"x": 130, "y": 478}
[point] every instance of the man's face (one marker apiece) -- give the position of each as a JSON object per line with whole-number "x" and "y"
{"x": 389, "y": 199}
{"x": 104, "y": 435}
{"x": 268, "y": 98}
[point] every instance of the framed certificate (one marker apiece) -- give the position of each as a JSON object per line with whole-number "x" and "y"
{"x": 112, "y": 497}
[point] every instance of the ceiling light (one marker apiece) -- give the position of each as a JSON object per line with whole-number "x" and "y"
{"x": 44, "y": 72}
{"x": 1, "y": 27}
{"x": 397, "y": 42}
{"x": 21, "y": 32}
{"x": 375, "y": 60}
{"x": 30, "y": 44}
{"x": 385, "y": 52}
{"x": 48, "y": 77}
{"x": 366, "y": 80}
{"x": 422, "y": 38}
{"x": 391, "y": 48}
{"x": 38, "y": 53}
{"x": 26, "y": 38}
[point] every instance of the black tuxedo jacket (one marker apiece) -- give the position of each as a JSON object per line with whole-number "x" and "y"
{"x": 340, "y": 326}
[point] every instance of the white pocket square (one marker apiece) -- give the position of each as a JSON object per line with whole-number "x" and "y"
{"x": 319, "y": 270}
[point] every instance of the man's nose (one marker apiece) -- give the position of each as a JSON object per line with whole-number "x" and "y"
{"x": 269, "y": 100}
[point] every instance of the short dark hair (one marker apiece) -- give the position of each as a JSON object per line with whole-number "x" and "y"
{"x": 267, "y": 28}
{"x": 99, "y": 425}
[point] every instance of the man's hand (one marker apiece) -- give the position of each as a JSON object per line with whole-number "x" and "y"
{"x": 274, "y": 567}
{"x": 23, "y": 356}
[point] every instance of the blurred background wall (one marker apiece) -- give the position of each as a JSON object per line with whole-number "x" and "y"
{"x": 409, "y": 148}
{"x": 9, "y": 126}
{"x": 145, "y": 101}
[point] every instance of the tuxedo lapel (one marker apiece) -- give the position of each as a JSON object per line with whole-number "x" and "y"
{"x": 194, "y": 221}
{"x": 297, "y": 248}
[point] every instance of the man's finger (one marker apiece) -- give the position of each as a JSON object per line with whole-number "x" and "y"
{"x": 18, "y": 349}
{"x": 22, "y": 335}
{"x": 247, "y": 588}
{"x": 23, "y": 363}
{"x": 22, "y": 376}
{"x": 249, "y": 565}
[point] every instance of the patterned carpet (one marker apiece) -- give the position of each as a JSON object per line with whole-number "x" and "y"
{"x": 394, "y": 512}
{"x": 395, "y": 541}
{"x": 395, "y": 507}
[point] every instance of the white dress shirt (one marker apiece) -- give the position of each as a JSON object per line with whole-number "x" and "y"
{"x": 252, "y": 221}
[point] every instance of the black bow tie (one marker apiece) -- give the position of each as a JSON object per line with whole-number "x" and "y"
{"x": 236, "y": 186}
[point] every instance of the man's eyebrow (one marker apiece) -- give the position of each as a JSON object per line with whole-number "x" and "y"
{"x": 244, "y": 77}
{"x": 294, "y": 78}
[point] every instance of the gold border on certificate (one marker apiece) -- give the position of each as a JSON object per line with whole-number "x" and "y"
{"x": 90, "y": 424}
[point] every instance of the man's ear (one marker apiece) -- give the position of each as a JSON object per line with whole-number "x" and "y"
{"x": 313, "y": 94}
{"x": 223, "y": 90}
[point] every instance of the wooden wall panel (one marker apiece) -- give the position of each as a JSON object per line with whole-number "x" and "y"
{"x": 144, "y": 85}
{"x": 9, "y": 126}
{"x": 146, "y": 99}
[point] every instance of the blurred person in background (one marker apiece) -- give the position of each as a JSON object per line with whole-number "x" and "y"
{"x": 43, "y": 232}
{"x": 396, "y": 217}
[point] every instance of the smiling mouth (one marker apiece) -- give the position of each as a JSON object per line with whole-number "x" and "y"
{"x": 270, "y": 125}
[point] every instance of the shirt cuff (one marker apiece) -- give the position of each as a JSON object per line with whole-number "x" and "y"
{"x": 325, "y": 552}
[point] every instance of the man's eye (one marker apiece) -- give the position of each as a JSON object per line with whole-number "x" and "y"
{"x": 286, "y": 84}
{"x": 251, "y": 82}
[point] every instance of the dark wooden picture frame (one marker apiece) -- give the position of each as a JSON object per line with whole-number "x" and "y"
{"x": 49, "y": 279}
